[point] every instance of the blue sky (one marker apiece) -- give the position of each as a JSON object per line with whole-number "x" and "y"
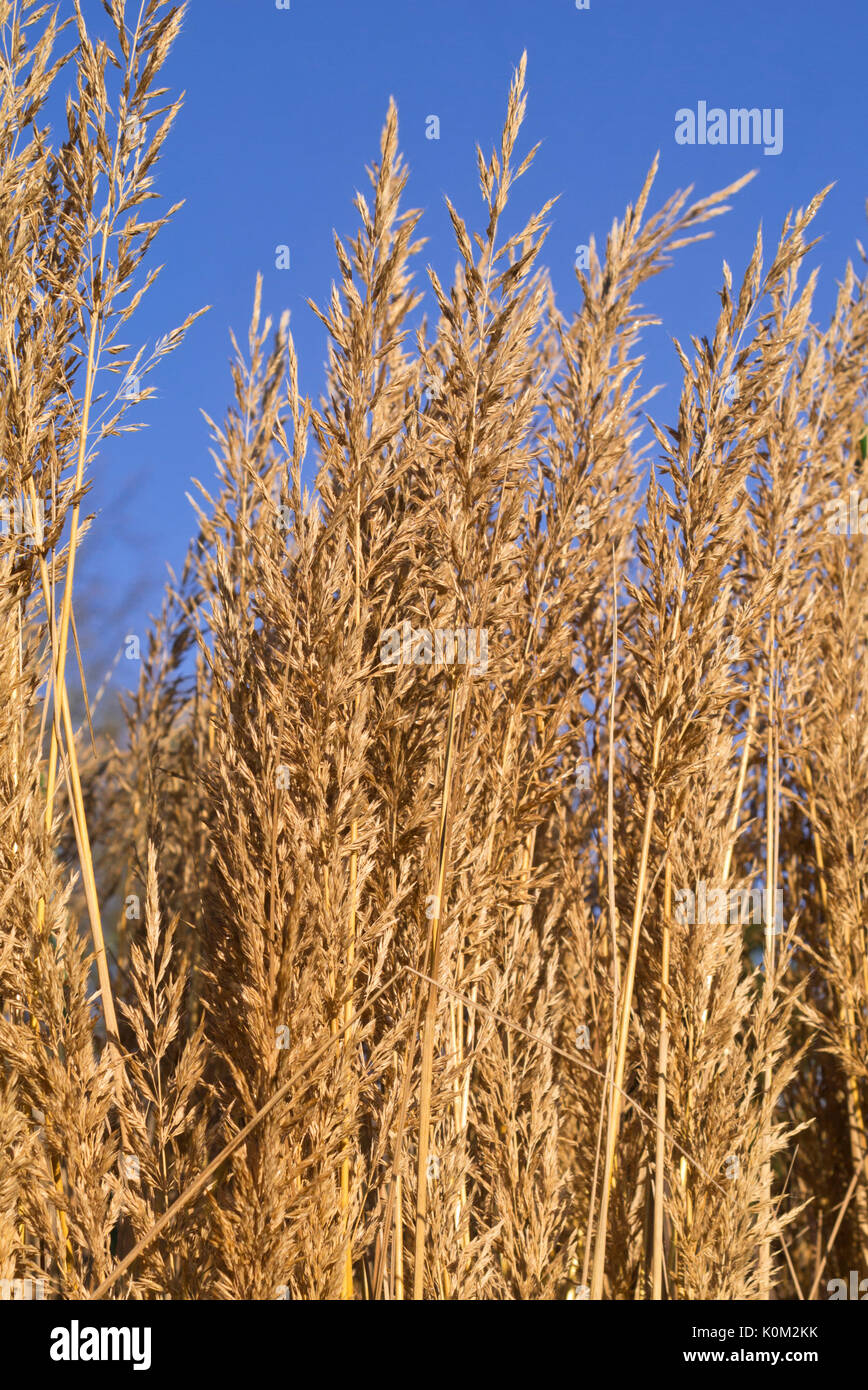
{"x": 283, "y": 111}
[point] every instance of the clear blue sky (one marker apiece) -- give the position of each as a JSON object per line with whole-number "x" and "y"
{"x": 284, "y": 109}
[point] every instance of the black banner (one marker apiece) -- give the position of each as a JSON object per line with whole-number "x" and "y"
{"x": 62, "y": 1340}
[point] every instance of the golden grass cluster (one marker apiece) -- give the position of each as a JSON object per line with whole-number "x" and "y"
{"x": 345, "y": 975}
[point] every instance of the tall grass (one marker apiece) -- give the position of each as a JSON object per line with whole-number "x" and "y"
{"x": 363, "y": 966}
